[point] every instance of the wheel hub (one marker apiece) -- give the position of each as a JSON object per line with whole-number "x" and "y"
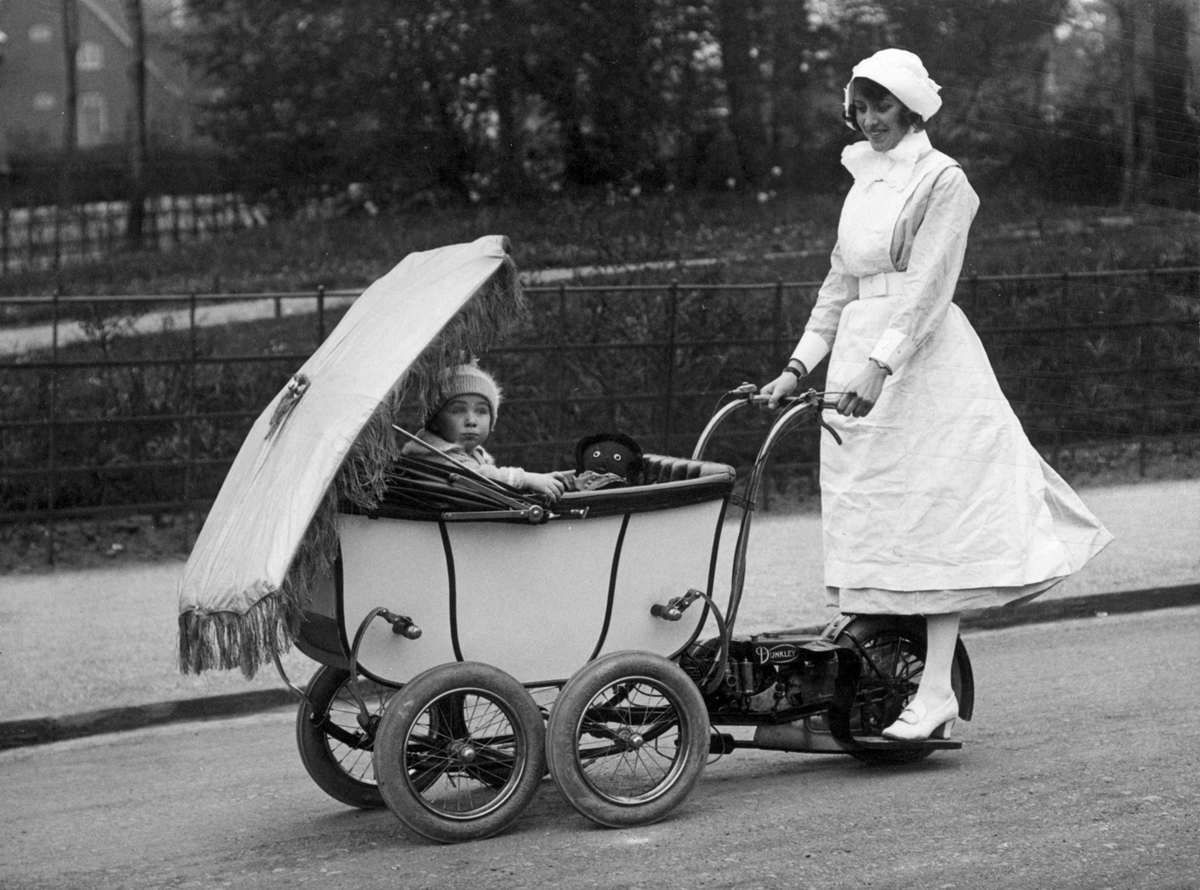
{"x": 463, "y": 751}
{"x": 633, "y": 739}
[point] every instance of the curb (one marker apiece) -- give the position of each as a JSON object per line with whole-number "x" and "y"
{"x": 43, "y": 730}
{"x": 1091, "y": 606}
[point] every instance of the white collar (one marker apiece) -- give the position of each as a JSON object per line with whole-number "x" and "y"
{"x": 894, "y": 167}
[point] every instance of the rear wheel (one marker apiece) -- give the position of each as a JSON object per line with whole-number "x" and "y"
{"x": 892, "y": 651}
{"x": 460, "y": 752}
{"x": 335, "y": 747}
{"x": 627, "y": 739}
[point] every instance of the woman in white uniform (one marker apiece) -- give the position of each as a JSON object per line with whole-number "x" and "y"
{"x": 936, "y": 502}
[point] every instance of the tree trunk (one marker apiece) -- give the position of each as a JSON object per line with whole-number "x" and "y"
{"x": 741, "y": 86}
{"x": 136, "y": 132}
{"x": 510, "y": 27}
{"x": 1174, "y": 129}
{"x": 1129, "y": 104}
{"x": 70, "y": 140}
{"x": 1191, "y": 12}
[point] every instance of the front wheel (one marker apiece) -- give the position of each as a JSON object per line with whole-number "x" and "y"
{"x": 891, "y": 649}
{"x": 460, "y": 752}
{"x": 627, "y": 739}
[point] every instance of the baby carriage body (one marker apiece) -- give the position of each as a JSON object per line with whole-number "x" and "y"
{"x": 536, "y": 600}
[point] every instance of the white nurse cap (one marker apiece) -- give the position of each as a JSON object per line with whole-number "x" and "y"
{"x": 903, "y": 75}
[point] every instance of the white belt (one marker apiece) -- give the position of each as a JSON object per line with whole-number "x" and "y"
{"x": 880, "y": 285}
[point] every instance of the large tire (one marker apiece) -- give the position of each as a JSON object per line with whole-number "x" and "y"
{"x": 334, "y": 747}
{"x": 460, "y": 752}
{"x": 892, "y": 650}
{"x": 627, "y": 739}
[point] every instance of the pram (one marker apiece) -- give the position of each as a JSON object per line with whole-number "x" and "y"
{"x": 473, "y": 638}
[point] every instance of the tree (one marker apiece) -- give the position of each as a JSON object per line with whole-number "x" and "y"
{"x": 70, "y": 140}
{"x": 743, "y": 85}
{"x": 1158, "y": 127}
{"x": 136, "y": 132}
{"x": 500, "y": 97}
{"x": 1173, "y": 125}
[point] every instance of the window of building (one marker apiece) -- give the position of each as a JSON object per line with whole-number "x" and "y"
{"x": 90, "y": 56}
{"x": 93, "y": 119}
{"x": 44, "y": 102}
{"x": 40, "y": 33}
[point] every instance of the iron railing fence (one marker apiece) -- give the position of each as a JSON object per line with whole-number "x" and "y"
{"x": 37, "y": 238}
{"x": 140, "y": 407}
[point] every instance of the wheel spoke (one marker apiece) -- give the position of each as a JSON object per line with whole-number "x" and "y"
{"x": 637, "y": 716}
{"x": 466, "y": 766}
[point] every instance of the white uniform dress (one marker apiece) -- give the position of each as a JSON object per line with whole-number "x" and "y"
{"x": 936, "y": 501}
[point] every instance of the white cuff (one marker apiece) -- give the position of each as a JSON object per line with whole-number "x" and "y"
{"x": 811, "y": 350}
{"x": 892, "y": 348}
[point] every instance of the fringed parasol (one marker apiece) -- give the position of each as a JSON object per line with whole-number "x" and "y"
{"x": 327, "y": 436}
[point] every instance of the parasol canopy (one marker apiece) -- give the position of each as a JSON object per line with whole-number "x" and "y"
{"x": 326, "y": 435}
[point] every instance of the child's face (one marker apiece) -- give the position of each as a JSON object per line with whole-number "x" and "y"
{"x": 464, "y": 420}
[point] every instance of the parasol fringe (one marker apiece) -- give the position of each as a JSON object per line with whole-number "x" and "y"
{"x": 249, "y": 640}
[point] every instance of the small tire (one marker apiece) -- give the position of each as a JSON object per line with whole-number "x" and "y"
{"x": 627, "y": 739}
{"x": 334, "y": 748}
{"x": 892, "y": 651}
{"x": 460, "y": 752}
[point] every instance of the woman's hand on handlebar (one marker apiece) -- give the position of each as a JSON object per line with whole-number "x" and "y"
{"x": 780, "y": 388}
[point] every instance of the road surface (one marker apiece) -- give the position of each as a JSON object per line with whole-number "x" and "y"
{"x": 1079, "y": 771}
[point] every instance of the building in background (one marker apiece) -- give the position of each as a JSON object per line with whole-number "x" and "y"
{"x": 33, "y": 80}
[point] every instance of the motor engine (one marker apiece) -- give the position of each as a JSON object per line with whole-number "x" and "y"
{"x": 766, "y": 674}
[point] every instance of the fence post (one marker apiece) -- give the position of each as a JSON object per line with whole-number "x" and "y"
{"x": 57, "y": 237}
{"x": 669, "y": 381}
{"x": 52, "y": 423}
{"x": 155, "y": 202}
{"x": 5, "y": 233}
{"x": 190, "y": 433}
{"x": 106, "y": 217}
{"x": 83, "y": 232}
{"x": 30, "y": 229}
{"x": 777, "y": 321}
{"x": 561, "y": 414}
{"x": 320, "y": 314}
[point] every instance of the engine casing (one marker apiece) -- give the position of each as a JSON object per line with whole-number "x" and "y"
{"x": 765, "y": 674}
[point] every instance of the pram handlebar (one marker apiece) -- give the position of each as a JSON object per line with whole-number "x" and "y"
{"x": 793, "y": 410}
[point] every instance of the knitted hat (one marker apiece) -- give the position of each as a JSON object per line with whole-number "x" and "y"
{"x": 470, "y": 378}
{"x": 901, "y": 74}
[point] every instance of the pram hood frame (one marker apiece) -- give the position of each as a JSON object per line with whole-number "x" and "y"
{"x": 326, "y": 439}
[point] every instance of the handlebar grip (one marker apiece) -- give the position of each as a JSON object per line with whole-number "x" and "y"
{"x": 666, "y": 613}
{"x": 402, "y": 625}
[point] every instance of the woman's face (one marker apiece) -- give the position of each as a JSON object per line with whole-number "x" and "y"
{"x": 879, "y": 121}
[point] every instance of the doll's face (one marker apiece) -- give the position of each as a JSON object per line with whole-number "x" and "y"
{"x": 465, "y": 420}
{"x": 608, "y": 457}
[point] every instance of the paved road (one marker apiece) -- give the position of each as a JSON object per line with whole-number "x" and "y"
{"x": 1080, "y": 771}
